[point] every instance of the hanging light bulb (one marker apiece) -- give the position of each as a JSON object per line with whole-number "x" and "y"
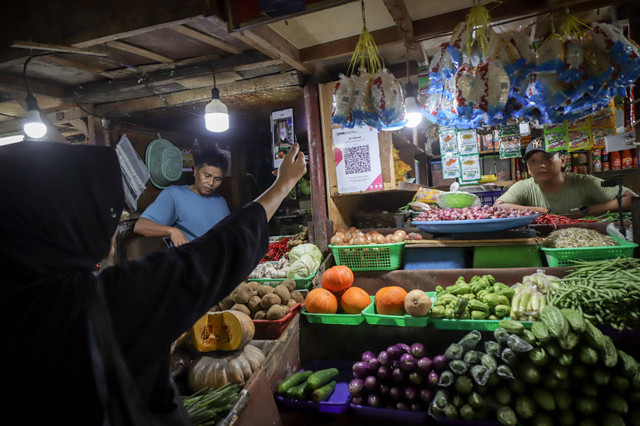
{"x": 216, "y": 115}
{"x": 33, "y": 125}
{"x": 414, "y": 115}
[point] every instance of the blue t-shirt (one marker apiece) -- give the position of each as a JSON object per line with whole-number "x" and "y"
{"x": 180, "y": 207}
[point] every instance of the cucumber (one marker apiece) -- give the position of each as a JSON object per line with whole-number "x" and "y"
{"x": 323, "y": 393}
{"x": 321, "y": 378}
{"x": 298, "y": 391}
{"x": 293, "y": 380}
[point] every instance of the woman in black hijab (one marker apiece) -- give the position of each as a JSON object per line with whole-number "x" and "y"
{"x": 88, "y": 348}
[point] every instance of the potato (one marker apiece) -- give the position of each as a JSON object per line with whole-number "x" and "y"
{"x": 264, "y": 289}
{"x": 242, "y": 293}
{"x": 291, "y": 303}
{"x": 226, "y": 303}
{"x": 283, "y": 293}
{"x": 276, "y": 312}
{"x": 254, "y": 304}
{"x": 254, "y": 285}
{"x": 297, "y": 296}
{"x": 261, "y": 314}
{"x": 269, "y": 300}
{"x": 289, "y": 283}
{"x": 242, "y": 308}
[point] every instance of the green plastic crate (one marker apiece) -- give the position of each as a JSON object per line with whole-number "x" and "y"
{"x": 301, "y": 283}
{"x": 339, "y": 319}
{"x": 372, "y": 317}
{"x": 370, "y": 257}
{"x": 565, "y": 256}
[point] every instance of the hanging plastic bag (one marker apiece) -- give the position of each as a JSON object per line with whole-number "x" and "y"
{"x": 342, "y": 100}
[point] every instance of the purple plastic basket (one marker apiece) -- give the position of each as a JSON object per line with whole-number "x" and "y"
{"x": 338, "y": 402}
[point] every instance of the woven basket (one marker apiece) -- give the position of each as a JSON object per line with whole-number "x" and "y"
{"x": 164, "y": 161}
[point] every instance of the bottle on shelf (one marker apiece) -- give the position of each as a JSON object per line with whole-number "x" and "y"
{"x": 596, "y": 160}
{"x": 575, "y": 162}
{"x": 634, "y": 154}
{"x": 616, "y": 160}
{"x": 627, "y": 160}
{"x": 606, "y": 164}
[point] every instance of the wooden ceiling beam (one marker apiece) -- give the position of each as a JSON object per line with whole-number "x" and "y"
{"x": 404, "y": 25}
{"x": 14, "y": 83}
{"x": 291, "y": 78}
{"x": 55, "y": 48}
{"x": 440, "y": 25}
{"x": 206, "y": 38}
{"x": 135, "y": 50}
{"x": 70, "y": 63}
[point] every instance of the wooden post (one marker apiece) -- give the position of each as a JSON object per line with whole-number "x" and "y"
{"x": 319, "y": 228}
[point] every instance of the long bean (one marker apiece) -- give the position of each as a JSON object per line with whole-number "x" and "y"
{"x": 606, "y": 291}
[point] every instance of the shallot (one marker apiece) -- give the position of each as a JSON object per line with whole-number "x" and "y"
{"x": 471, "y": 213}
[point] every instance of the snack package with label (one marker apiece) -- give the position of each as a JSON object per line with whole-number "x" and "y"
{"x": 550, "y": 56}
{"x": 342, "y": 100}
{"x": 388, "y": 99}
{"x": 440, "y": 66}
{"x": 624, "y": 53}
{"x": 454, "y": 47}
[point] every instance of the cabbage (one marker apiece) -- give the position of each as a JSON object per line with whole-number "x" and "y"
{"x": 302, "y": 249}
{"x": 303, "y": 267}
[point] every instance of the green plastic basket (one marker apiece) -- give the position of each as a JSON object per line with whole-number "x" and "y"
{"x": 370, "y": 257}
{"x": 374, "y": 318}
{"x": 565, "y": 256}
{"x": 301, "y": 283}
{"x": 339, "y": 319}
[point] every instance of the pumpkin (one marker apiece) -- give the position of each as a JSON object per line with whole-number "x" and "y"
{"x": 390, "y": 300}
{"x": 223, "y": 331}
{"x": 354, "y": 300}
{"x": 216, "y": 369}
{"x": 337, "y": 278}
{"x": 321, "y": 301}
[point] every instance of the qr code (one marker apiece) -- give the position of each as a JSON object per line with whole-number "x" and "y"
{"x": 357, "y": 160}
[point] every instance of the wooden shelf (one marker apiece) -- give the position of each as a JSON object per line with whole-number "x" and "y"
{"x": 437, "y": 157}
{"x": 609, "y": 173}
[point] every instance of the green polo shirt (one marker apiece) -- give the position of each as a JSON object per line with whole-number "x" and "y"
{"x": 578, "y": 190}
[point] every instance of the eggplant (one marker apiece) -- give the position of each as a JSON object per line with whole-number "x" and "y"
{"x": 406, "y": 348}
{"x": 432, "y": 379}
{"x": 357, "y": 400}
{"x": 361, "y": 369}
{"x": 407, "y": 363}
{"x": 403, "y": 406}
{"x": 416, "y": 378}
{"x": 356, "y": 386}
{"x": 383, "y": 372}
{"x": 384, "y": 389}
{"x": 417, "y": 350}
{"x": 410, "y": 393}
{"x": 424, "y": 364}
{"x": 384, "y": 358}
{"x": 396, "y": 393}
{"x": 398, "y": 376}
{"x": 374, "y": 400}
{"x": 415, "y": 406}
{"x": 367, "y": 355}
{"x": 394, "y": 352}
{"x": 371, "y": 384}
{"x": 426, "y": 395}
{"x": 439, "y": 363}
{"x": 374, "y": 363}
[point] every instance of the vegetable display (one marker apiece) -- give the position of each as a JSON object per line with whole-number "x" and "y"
{"x": 400, "y": 377}
{"x": 471, "y": 213}
{"x": 337, "y": 278}
{"x": 304, "y": 259}
{"x": 607, "y": 292}
{"x": 223, "y": 331}
{"x": 337, "y": 293}
{"x": 481, "y": 298}
{"x": 215, "y": 369}
{"x": 207, "y": 406}
{"x": 578, "y": 237}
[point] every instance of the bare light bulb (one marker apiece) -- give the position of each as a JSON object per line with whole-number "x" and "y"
{"x": 216, "y": 115}
{"x": 413, "y": 116}
{"x": 33, "y": 125}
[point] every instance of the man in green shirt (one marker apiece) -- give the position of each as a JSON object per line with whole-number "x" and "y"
{"x": 551, "y": 190}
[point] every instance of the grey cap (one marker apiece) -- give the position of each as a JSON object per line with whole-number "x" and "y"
{"x": 536, "y": 144}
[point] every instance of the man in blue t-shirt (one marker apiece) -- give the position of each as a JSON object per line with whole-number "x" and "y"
{"x": 184, "y": 212}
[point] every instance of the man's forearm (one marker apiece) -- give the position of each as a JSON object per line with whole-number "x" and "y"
{"x": 503, "y": 205}
{"x": 149, "y": 228}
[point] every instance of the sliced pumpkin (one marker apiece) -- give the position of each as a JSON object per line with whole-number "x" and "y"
{"x": 222, "y": 331}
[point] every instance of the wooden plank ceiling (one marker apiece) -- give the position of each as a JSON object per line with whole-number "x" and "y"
{"x": 143, "y": 61}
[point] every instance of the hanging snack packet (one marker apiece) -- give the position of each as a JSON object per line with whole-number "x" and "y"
{"x": 454, "y": 47}
{"x": 342, "y": 100}
{"x": 440, "y": 66}
{"x": 363, "y": 110}
{"x": 623, "y": 52}
{"x": 550, "y": 55}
